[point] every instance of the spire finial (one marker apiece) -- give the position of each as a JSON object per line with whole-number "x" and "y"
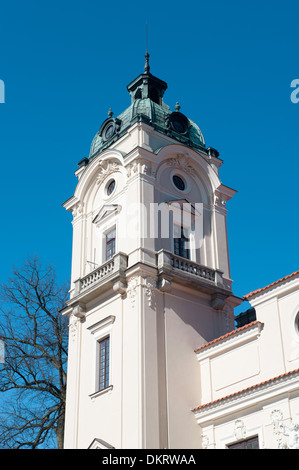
{"x": 110, "y": 113}
{"x": 177, "y": 106}
{"x": 146, "y": 66}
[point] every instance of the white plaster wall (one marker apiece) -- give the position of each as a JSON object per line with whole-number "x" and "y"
{"x": 154, "y": 372}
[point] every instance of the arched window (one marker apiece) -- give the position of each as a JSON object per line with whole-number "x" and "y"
{"x": 138, "y": 94}
{"x": 154, "y": 96}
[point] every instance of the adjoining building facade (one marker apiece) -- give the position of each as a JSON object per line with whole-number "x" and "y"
{"x": 250, "y": 376}
{"x": 151, "y": 292}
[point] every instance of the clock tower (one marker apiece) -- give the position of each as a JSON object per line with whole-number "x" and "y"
{"x": 150, "y": 276}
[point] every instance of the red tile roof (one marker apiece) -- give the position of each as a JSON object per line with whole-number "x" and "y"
{"x": 289, "y": 276}
{"x": 248, "y": 389}
{"x": 227, "y": 335}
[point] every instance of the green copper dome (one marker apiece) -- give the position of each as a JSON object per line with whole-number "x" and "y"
{"x": 147, "y": 106}
{"x": 154, "y": 114}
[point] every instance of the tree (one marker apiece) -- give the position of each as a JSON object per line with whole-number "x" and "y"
{"x": 33, "y": 373}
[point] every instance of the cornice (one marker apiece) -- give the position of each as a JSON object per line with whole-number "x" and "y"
{"x": 233, "y": 339}
{"x": 257, "y": 394}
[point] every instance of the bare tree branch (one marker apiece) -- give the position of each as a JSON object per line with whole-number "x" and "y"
{"x": 34, "y": 372}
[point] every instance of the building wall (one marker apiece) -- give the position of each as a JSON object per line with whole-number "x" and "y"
{"x": 153, "y": 330}
{"x": 254, "y": 375}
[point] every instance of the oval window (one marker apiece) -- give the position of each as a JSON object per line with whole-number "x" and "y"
{"x": 109, "y": 131}
{"x": 110, "y": 187}
{"x": 178, "y": 182}
{"x": 179, "y": 126}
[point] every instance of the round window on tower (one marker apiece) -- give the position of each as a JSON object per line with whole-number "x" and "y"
{"x": 179, "y": 123}
{"x": 179, "y": 126}
{"x": 179, "y": 182}
{"x": 109, "y": 131}
{"x": 110, "y": 187}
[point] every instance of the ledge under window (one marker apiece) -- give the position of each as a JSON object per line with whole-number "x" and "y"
{"x": 101, "y": 392}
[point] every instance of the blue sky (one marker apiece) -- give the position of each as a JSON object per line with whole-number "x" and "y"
{"x": 230, "y": 66}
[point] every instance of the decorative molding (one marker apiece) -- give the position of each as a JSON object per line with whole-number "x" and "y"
{"x": 132, "y": 169}
{"x": 204, "y": 441}
{"x": 132, "y": 289}
{"x": 106, "y": 211}
{"x": 242, "y": 399}
{"x": 79, "y": 311}
{"x": 140, "y": 166}
{"x": 100, "y": 392}
{"x": 150, "y": 286}
{"x": 98, "y": 327}
{"x": 73, "y": 327}
{"x": 100, "y": 444}
{"x": 106, "y": 170}
{"x": 219, "y": 201}
{"x": 282, "y": 431}
{"x": 239, "y": 430}
{"x": 165, "y": 285}
{"x": 78, "y": 209}
{"x": 120, "y": 287}
{"x": 230, "y": 341}
{"x": 182, "y": 162}
{"x": 147, "y": 169}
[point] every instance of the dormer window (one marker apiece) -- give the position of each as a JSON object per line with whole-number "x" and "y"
{"x": 138, "y": 94}
{"x": 154, "y": 96}
{"x": 179, "y": 123}
{"x": 109, "y": 131}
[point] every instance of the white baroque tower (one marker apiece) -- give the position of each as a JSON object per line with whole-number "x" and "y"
{"x": 150, "y": 277}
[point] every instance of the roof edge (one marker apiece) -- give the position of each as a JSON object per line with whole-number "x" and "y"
{"x": 265, "y": 383}
{"x": 269, "y": 286}
{"x": 228, "y": 335}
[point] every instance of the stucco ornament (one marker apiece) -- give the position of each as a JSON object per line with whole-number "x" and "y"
{"x": 150, "y": 284}
{"x": 106, "y": 168}
{"x": 282, "y": 431}
{"x": 239, "y": 429}
{"x": 132, "y": 169}
{"x": 205, "y": 441}
{"x": 73, "y": 326}
{"x": 78, "y": 209}
{"x": 220, "y": 201}
{"x": 182, "y": 162}
{"x": 132, "y": 289}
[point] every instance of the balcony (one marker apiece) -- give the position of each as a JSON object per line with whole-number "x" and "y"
{"x": 169, "y": 267}
{"x": 109, "y": 272}
{"x": 174, "y": 265}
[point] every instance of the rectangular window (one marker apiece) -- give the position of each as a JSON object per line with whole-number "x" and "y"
{"x": 104, "y": 351}
{"x": 252, "y": 443}
{"x": 110, "y": 244}
{"x": 181, "y": 242}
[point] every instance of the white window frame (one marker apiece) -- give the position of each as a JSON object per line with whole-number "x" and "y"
{"x": 178, "y": 221}
{"x": 100, "y": 331}
{"x": 104, "y": 244}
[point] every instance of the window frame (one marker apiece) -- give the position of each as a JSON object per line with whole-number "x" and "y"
{"x": 181, "y": 219}
{"x": 112, "y": 240}
{"x": 182, "y": 239}
{"x": 106, "y": 379}
{"x": 238, "y": 444}
{"x": 100, "y": 331}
